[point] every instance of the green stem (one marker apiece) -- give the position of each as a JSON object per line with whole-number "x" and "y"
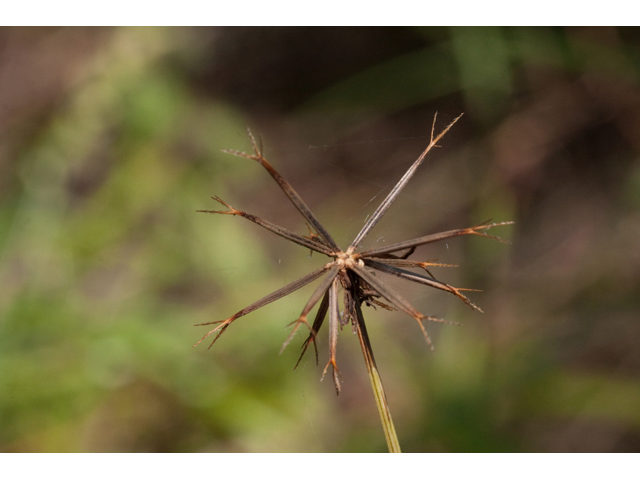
{"x": 376, "y": 384}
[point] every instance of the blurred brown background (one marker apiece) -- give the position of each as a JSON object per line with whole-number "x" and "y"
{"x": 110, "y": 140}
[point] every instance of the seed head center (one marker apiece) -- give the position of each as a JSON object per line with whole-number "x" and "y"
{"x": 346, "y": 260}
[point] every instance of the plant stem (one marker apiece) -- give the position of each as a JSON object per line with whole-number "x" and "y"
{"x": 376, "y": 384}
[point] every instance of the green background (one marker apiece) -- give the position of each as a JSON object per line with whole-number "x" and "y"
{"x": 110, "y": 141}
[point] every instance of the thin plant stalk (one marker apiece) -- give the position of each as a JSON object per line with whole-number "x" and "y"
{"x": 376, "y": 384}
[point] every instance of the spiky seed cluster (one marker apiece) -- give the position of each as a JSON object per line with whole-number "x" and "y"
{"x": 349, "y": 269}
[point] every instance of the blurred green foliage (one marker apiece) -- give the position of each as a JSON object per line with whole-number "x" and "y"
{"x": 105, "y": 266}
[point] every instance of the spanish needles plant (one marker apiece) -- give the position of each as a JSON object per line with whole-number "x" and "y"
{"x": 352, "y": 270}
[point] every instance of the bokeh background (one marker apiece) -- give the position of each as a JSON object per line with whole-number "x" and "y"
{"x": 110, "y": 140}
